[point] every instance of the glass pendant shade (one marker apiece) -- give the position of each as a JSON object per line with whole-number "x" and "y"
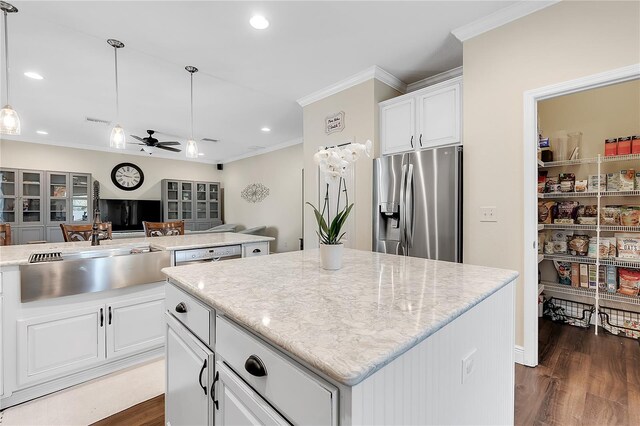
{"x": 9, "y": 121}
{"x": 192, "y": 149}
{"x": 118, "y": 138}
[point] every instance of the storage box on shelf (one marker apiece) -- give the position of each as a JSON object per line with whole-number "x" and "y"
{"x": 596, "y": 263}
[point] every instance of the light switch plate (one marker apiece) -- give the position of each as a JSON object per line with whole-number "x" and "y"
{"x": 468, "y": 366}
{"x": 488, "y": 214}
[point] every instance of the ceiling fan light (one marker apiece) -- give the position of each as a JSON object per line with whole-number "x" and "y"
{"x": 118, "y": 138}
{"x": 9, "y": 121}
{"x": 149, "y": 149}
{"x": 192, "y": 149}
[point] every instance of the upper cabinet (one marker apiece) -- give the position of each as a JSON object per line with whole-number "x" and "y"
{"x": 196, "y": 203}
{"x": 422, "y": 119}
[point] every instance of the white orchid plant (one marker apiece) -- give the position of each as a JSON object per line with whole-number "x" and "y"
{"x": 335, "y": 162}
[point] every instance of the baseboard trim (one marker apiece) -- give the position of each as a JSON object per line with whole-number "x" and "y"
{"x": 518, "y": 354}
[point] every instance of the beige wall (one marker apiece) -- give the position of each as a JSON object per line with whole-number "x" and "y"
{"x": 603, "y": 113}
{"x": 24, "y": 155}
{"x": 360, "y": 105}
{"x": 281, "y": 211}
{"x": 560, "y": 43}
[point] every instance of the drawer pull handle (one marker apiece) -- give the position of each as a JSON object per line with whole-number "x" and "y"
{"x": 204, "y": 388}
{"x": 255, "y": 367}
{"x": 181, "y": 308}
{"x": 257, "y": 250}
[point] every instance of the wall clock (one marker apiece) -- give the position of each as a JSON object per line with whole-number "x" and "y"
{"x": 127, "y": 176}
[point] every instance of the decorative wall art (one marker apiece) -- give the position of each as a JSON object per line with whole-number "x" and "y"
{"x": 334, "y": 122}
{"x": 255, "y": 192}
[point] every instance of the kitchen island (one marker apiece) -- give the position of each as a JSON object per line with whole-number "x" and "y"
{"x": 385, "y": 340}
{"x": 83, "y": 311}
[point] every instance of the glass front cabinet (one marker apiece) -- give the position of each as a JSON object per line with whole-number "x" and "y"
{"x": 36, "y": 202}
{"x": 197, "y": 203}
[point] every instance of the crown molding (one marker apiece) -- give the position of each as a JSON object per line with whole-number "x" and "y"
{"x": 268, "y": 149}
{"x": 372, "y": 72}
{"x": 434, "y": 79}
{"x": 500, "y": 18}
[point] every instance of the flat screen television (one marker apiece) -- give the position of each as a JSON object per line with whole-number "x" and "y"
{"x": 128, "y": 215}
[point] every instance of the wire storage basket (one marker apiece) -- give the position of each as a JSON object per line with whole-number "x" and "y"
{"x": 568, "y": 312}
{"x": 620, "y": 322}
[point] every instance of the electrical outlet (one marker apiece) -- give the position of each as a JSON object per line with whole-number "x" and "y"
{"x": 468, "y": 366}
{"x": 488, "y": 214}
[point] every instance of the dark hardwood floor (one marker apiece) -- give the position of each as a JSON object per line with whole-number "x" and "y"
{"x": 147, "y": 413}
{"x": 582, "y": 379}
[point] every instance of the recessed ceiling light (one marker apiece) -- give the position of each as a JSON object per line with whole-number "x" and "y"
{"x": 33, "y": 75}
{"x": 266, "y": 129}
{"x": 42, "y": 132}
{"x": 201, "y": 154}
{"x": 259, "y": 22}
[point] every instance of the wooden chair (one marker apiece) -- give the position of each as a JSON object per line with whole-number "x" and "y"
{"x": 83, "y": 232}
{"x": 161, "y": 229}
{"x": 5, "y": 234}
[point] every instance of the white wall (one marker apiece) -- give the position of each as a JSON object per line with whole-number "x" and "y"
{"x": 22, "y": 155}
{"x": 559, "y": 43}
{"x": 360, "y": 105}
{"x": 281, "y": 211}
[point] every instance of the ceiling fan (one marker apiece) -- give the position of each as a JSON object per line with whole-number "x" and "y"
{"x": 149, "y": 143}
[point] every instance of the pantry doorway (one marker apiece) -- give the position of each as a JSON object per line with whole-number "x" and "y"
{"x": 532, "y": 258}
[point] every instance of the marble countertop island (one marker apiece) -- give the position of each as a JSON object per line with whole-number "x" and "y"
{"x": 347, "y": 323}
{"x": 19, "y": 254}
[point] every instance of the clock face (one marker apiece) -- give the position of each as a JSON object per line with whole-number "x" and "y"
{"x": 127, "y": 176}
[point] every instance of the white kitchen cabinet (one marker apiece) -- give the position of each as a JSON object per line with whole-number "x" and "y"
{"x": 60, "y": 343}
{"x": 255, "y": 249}
{"x": 189, "y": 378}
{"x": 439, "y": 116}
{"x": 422, "y": 119}
{"x": 238, "y": 404}
{"x": 135, "y": 325}
{"x": 397, "y": 126}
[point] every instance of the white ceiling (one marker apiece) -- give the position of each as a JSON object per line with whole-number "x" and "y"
{"x": 248, "y": 78}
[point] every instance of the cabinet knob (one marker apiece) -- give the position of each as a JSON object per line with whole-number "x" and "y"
{"x": 255, "y": 367}
{"x": 181, "y": 308}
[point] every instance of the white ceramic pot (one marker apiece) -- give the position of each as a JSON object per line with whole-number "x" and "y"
{"x": 331, "y": 256}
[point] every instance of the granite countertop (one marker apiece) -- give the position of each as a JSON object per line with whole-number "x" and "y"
{"x": 19, "y": 254}
{"x": 347, "y": 323}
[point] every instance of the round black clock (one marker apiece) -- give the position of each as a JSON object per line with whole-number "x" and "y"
{"x": 127, "y": 176}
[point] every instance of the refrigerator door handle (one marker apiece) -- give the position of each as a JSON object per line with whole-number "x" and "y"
{"x": 403, "y": 221}
{"x": 408, "y": 207}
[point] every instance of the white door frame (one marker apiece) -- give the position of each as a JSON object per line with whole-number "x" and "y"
{"x": 530, "y": 139}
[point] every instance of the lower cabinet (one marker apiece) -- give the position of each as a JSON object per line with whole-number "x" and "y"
{"x": 190, "y": 375}
{"x": 134, "y": 325}
{"x": 53, "y": 345}
{"x": 238, "y": 404}
{"x": 26, "y": 234}
{"x": 65, "y": 341}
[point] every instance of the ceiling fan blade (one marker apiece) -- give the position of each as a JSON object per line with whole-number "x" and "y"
{"x": 168, "y": 143}
{"x": 168, "y": 148}
{"x": 143, "y": 144}
{"x": 137, "y": 137}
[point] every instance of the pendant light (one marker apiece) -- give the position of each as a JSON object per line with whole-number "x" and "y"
{"x": 192, "y": 146}
{"x": 118, "y": 138}
{"x": 9, "y": 119}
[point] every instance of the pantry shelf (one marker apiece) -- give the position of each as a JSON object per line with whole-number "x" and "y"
{"x": 553, "y": 195}
{"x": 603, "y": 228}
{"x": 589, "y": 292}
{"x": 589, "y": 160}
{"x": 624, "y": 263}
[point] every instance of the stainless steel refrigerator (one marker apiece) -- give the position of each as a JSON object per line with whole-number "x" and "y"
{"x": 417, "y": 203}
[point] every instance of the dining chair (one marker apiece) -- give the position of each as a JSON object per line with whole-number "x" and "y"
{"x": 83, "y": 232}
{"x": 162, "y": 229}
{"x": 5, "y": 234}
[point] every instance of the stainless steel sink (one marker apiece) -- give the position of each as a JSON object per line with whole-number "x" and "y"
{"x": 50, "y": 275}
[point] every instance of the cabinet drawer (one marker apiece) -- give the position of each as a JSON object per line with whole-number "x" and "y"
{"x": 196, "y": 317}
{"x": 295, "y": 392}
{"x": 255, "y": 249}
